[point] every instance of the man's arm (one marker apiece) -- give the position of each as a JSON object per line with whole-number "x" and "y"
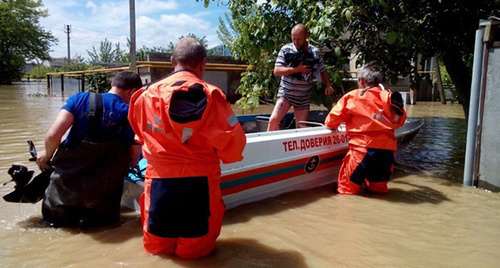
{"x": 53, "y": 137}
{"x": 325, "y": 77}
{"x": 338, "y": 114}
{"x": 134, "y": 153}
{"x": 283, "y": 70}
{"x": 135, "y": 115}
{"x": 226, "y": 134}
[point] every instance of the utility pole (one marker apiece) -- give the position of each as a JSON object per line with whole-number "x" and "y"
{"x": 132, "y": 35}
{"x": 68, "y": 31}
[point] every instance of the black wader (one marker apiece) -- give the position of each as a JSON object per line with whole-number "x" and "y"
{"x": 87, "y": 182}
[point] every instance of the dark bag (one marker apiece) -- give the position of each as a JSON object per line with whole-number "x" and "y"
{"x": 294, "y": 59}
{"x": 397, "y": 104}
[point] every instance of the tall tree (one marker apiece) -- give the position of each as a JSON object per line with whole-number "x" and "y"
{"x": 22, "y": 39}
{"x": 388, "y": 31}
{"x": 226, "y": 31}
{"x": 395, "y": 32}
{"x": 202, "y": 40}
{"x": 77, "y": 64}
{"x": 107, "y": 53}
{"x": 261, "y": 30}
{"x": 142, "y": 53}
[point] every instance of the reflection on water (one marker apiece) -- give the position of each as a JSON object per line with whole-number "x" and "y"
{"x": 438, "y": 149}
{"x": 427, "y": 219}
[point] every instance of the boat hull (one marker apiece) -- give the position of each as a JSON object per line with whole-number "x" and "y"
{"x": 282, "y": 161}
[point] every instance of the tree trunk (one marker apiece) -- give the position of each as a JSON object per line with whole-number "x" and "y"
{"x": 460, "y": 75}
{"x": 439, "y": 83}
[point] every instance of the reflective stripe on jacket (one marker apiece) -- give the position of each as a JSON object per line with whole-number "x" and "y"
{"x": 191, "y": 136}
{"x": 370, "y": 121}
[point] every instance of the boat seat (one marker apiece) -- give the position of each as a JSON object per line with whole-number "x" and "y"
{"x": 262, "y": 123}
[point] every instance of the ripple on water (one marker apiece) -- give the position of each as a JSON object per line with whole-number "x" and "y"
{"x": 438, "y": 148}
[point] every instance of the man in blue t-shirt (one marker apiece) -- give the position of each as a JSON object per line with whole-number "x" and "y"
{"x": 88, "y": 161}
{"x": 114, "y": 124}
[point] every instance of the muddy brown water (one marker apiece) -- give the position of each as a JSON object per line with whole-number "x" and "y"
{"x": 427, "y": 219}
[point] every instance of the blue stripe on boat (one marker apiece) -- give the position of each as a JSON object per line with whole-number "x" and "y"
{"x": 272, "y": 173}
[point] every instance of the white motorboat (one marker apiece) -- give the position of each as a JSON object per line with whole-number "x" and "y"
{"x": 280, "y": 161}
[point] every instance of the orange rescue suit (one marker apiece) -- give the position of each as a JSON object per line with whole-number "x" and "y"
{"x": 370, "y": 121}
{"x": 186, "y": 128}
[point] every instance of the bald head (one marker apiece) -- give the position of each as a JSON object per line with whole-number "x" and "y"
{"x": 299, "y": 36}
{"x": 300, "y": 28}
{"x": 189, "y": 52}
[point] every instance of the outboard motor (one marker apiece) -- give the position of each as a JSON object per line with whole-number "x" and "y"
{"x": 21, "y": 176}
{"x": 27, "y": 190}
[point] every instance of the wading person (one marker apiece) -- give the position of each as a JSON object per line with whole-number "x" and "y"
{"x": 371, "y": 114}
{"x": 186, "y": 128}
{"x": 88, "y": 167}
{"x": 297, "y": 64}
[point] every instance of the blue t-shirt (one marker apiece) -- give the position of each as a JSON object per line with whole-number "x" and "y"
{"x": 115, "y": 112}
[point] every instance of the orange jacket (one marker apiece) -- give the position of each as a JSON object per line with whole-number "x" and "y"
{"x": 175, "y": 148}
{"x": 370, "y": 121}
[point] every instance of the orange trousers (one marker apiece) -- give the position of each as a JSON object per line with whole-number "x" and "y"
{"x": 182, "y": 216}
{"x": 370, "y": 166}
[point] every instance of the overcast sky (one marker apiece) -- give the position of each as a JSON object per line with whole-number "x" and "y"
{"x": 157, "y": 23}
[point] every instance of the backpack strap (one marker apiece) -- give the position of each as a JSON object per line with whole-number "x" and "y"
{"x": 95, "y": 116}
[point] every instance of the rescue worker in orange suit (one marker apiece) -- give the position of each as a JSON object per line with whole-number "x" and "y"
{"x": 371, "y": 114}
{"x": 186, "y": 127}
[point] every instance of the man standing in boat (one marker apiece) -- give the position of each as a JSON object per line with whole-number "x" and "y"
{"x": 88, "y": 167}
{"x": 186, "y": 128}
{"x": 297, "y": 64}
{"x": 371, "y": 114}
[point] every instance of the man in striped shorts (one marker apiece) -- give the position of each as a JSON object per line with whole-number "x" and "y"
{"x": 297, "y": 64}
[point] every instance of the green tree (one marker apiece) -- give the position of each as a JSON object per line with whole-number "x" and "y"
{"x": 395, "y": 32}
{"x": 77, "y": 64}
{"x": 226, "y": 32}
{"x": 260, "y": 32}
{"x": 447, "y": 83}
{"x": 142, "y": 53}
{"x": 391, "y": 32}
{"x": 22, "y": 39}
{"x": 217, "y": 50}
{"x": 97, "y": 82}
{"x": 202, "y": 40}
{"x": 107, "y": 53}
{"x": 40, "y": 71}
{"x": 207, "y": 2}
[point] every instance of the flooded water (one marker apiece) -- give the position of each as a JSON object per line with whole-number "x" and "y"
{"x": 427, "y": 219}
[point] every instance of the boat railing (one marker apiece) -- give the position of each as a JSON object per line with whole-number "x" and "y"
{"x": 310, "y": 123}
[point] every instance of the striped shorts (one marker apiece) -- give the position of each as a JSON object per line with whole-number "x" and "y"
{"x": 299, "y": 102}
